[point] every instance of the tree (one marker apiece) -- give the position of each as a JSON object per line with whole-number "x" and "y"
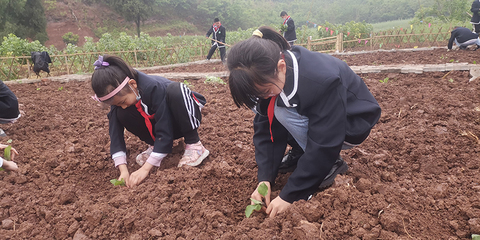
{"x": 134, "y": 10}
{"x": 24, "y": 18}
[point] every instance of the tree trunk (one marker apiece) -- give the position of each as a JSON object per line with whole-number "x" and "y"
{"x": 138, "y": 25}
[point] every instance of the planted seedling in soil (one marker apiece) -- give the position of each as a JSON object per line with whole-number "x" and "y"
{"x": 115, "y": 182}
{"x": 257, "y": 205}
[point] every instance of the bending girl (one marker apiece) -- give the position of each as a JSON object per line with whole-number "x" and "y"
{"x": 314, "y": 97}
{"x": 154, "y": 109}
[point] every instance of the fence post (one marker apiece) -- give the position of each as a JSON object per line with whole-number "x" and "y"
{"x": 309, "y": 41}
{"x": 371, "y": 40}
{"x": 135, "y": 55}
{"x": 339, "y": 46}
{"x": 66, "y": 62}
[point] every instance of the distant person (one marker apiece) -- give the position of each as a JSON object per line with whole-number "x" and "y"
{"x": 8, "y": 165}
{"x": 463, "y": 37}
{"x": 40, "y": 62}
{"x": 288, "y": 28}
{"x": 154, "y": 109}
{"x": 314, "y": 97}
{"x": 218, "y": 37}
{"x": 475, "y": 20}
{"x": 9, "y": 112}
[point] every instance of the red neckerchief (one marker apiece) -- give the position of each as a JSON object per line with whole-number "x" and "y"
{"x": 288, "y": 17}
{"x": 147, "y": 118}
{"x": 270, "y": 113}
{"x": 215, "y": 28}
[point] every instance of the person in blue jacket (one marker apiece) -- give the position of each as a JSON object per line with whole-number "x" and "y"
{"x": 463, "y": 37}
{"x": 314, "y": 97}
{"x": 154, "y": 109}
{"x": 218, "y": 33}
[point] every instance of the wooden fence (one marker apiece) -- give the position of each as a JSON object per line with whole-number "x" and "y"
{"x": 401, "y": 38}
{"x": 21, "y": 66}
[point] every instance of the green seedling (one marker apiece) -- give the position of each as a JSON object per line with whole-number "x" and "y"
{"x": 189, "y": 85}
{"x": 115, "y": 182}
{"x": 475, "y": 237}
{"x": 450, "y": 80}
{"x": 474, "y": 62}
{"x": 257, "y": 205}
{"x": 385, "y": 80}
{"x": 60, "y": 88}
{"x": 452, "y": 60}
{"x": 214, "y": 80}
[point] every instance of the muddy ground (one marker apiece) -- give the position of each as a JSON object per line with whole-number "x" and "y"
{"x": 415, "y": 177}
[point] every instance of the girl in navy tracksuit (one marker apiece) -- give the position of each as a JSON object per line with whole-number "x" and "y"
{"x": 314, "y": 97}
{"x": 153, "y": 108}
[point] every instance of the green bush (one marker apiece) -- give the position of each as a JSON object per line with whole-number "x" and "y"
{"x": 70, "y": 38}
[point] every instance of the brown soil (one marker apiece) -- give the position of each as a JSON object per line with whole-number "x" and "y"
{"x": 415, "y": 177}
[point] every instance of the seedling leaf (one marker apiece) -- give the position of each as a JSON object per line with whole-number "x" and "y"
{"x": 115, "y": 182}
{"x": 263, "y": 189}
{"x": 7, "y": 153}
{"x": 250, "y": 208}
{"x": 475, "y": 237}
{"x": 255, "y": 201}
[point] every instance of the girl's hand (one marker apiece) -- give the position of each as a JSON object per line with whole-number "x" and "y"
{"x": 138, "y": 176}
{"x": 257, "y": 196}
{"x": 124, "y": 173}
{"x": 13, "y": 152}
{"x": 277, "y": 206}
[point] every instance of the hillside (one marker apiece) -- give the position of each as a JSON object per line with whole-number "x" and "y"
{"x": 92, "y": 20}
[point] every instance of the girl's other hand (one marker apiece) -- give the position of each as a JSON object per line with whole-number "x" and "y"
{"x": 138, "y": 176}
{"x": 257, "y": 196}
{"x": 9, "y": 166}
{"x": 278, "y": 205}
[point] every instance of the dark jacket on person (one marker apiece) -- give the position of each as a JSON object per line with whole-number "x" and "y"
{"x": 8, "y": 103}
{"x": 41, "y": 61}
{"x": 462, "y": 35}
{"x": 290, "y": 33}
{"x": 218, "y": 35}
{"x": 475, "y": 8}
{"x": 152, "y": 90}
{"x": 339, "y": 107}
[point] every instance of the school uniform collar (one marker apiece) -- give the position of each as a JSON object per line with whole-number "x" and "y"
{"x": 291, "y": 80}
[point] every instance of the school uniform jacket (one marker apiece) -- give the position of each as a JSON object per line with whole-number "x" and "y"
{"x": 462, "y": 35}
{"x": 153, "y": 96}
{"x": 339, "y": 107}
{"x": 474, "y": 9}
{"x": 290, "y": 33}
{"x": 219, "y": 35}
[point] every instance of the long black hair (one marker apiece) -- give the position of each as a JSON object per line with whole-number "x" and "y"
{"x": 254, "y": 62}
{"x": 106, "y": 78}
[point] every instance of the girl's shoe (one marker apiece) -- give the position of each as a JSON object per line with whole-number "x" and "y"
{"x": 194, "y": 154}
{"x": 142, "y": 157}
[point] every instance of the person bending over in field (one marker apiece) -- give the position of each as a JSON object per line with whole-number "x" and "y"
{"x": 154, "y": 109}
{"x": 314, "y": 97}
{"x": 463, "y": 37}
{"x": 9, "y": 111}
{"x": 9, "y": 165}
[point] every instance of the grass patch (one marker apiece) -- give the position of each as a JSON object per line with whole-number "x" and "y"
{"x": 382, "y": 26}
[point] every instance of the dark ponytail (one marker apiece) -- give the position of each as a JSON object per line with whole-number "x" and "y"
{"x": 253, "y": 62}
{"x": 106, "y": 78}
